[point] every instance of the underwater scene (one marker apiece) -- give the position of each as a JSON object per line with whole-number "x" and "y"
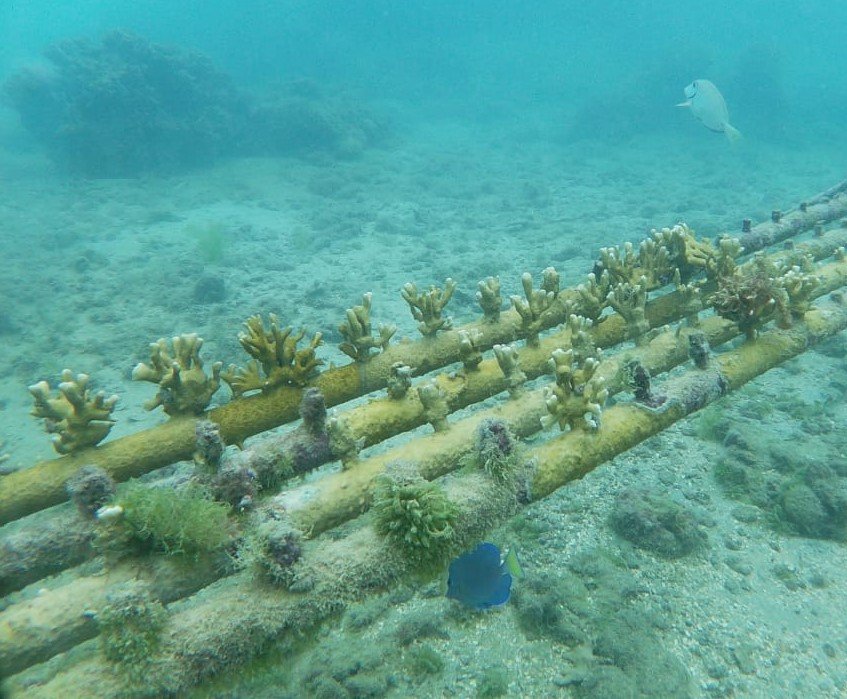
{"x": 423, "y": 349}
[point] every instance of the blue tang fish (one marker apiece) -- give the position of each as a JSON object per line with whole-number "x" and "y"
{"x": 480, "y": 579}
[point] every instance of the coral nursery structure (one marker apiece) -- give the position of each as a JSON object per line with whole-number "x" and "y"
{"x": 252, "y": 556}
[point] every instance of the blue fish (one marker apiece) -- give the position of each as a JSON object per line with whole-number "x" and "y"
{"x": 480, "y": 579}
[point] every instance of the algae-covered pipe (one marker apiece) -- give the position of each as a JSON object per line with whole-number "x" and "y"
{"x": 202, "y": 637}
{"x": 42, "y": 485}
{"x": 826, "y": 207}
{"x": 55, "y": 542}
{"x": 232, "y": 620}
{"x": 39, "y": 627}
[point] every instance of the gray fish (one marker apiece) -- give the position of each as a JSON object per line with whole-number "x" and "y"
{"x": 708, "y": 105}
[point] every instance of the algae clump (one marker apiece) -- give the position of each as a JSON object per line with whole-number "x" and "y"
{"x": 175, "y": 521}
{"x": 210, "y": 239}
{"x": 415, "y": 514}
{"x": 130, "y": 625}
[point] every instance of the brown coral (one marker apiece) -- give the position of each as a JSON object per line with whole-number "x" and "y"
{"x": 74, "y": 418}
{"x": 184, "y": 388}
{"x": 275, "y": 352}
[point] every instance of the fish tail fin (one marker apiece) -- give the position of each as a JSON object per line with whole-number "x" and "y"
{"x": 733, "y": 134}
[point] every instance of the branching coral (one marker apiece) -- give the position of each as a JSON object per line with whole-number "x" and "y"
{"x": 489, "y": 299}
{"x": 685, "y": 253}
{"x": 434, "y": 404}
{"x": 534, "y": 308}
{"x": 630, "y": 301}
{"x": 275, "y": 351}
{"x": 658, "y": 257}
{"x": 690, "y": 298}
{"x": 358, "y": 336}
{"x": 184, "y": 388}
{"x": 723, "y": 263}
{"x": 576, "y": 400}
{"x": 427, "y": 307}
{"x": 74, "y": 418}
{"x": 509, "y": 362}
{"x": 581, "y": 340}
{"x": 469, "y": 348}
{"x": 624, "y": 265}
{"x": 414, "y": 513}
{"x": 593, "y": 295}
{"x": 766, "y": 290}
{"x": 799, "y": 282}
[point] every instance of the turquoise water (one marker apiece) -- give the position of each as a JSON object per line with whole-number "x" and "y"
{"x": 168, "y": 168}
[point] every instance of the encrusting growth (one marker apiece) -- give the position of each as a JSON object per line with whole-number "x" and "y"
{"x": 399, "y": 380}
{"x": 74, "y": 418}
{"x": 90, "y": 488}
{"x": 496, "y": 451}
{"x": 184, "y": 388}
{"x": 130, "y": 624}
{"x": 755, "y": 294}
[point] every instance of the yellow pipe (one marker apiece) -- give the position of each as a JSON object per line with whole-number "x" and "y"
{"x": 37, "y": 628}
